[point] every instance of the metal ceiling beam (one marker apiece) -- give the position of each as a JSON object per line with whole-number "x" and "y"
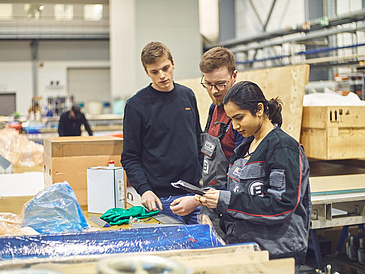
{"x": 264, "y": 26}
{"x": 314, "y": 25}
{"x": 304, "y": 37}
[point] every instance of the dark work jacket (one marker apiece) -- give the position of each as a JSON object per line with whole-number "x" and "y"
{"x": 267, "y": 200}
{"x": 161, "y": 132}
{"x": 69, "y": 126}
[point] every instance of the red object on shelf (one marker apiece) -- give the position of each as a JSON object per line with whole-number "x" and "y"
{"x": 16, "y": 125}
{"x": 119, "y": 135}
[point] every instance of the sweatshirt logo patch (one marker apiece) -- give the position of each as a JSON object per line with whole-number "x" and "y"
{"x": 187, "y": 108}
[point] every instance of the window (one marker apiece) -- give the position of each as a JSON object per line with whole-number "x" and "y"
{"x": 93, "y": 12}
{"x": 63, "y": 12}
{"x": 33, "y": 11}
{"x": 6, "y": 11}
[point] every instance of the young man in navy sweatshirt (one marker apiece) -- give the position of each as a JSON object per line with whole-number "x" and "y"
{"x": 161, "y": 132}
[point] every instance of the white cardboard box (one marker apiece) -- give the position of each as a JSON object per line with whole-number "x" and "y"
{"x": 105, "y": 189}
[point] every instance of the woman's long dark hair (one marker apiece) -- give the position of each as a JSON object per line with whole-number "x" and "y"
{"x": 246, "y": 95}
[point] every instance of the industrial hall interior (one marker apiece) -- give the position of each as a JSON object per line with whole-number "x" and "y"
{"x": 182, "y": 136}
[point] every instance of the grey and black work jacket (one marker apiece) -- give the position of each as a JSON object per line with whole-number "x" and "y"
{"x": 267, "y": 200}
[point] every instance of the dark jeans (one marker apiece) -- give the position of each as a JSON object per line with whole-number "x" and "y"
{"x": 190, "y": 219}
{"x": 297, "y": 267}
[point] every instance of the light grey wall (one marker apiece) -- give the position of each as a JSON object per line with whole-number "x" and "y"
{"x": 174, "y": 23}
{"x": 15, "y": 51}
{"x": 227, "y": 20}
{"x": 89, "y": 84}
{"x": 54, "y": 58}
{"x": 73, "y": 50}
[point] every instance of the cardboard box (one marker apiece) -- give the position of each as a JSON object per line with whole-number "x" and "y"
{"x": 105, "y": 189}
{"x": 83, "y": 146}
{"x": 333, "y": 132}
{"x": 68, "y": 158}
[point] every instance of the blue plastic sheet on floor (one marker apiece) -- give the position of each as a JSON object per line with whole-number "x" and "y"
{"x": 108, "y": 242}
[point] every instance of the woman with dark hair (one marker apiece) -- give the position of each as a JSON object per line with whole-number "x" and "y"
{"x": 267, "y": 200}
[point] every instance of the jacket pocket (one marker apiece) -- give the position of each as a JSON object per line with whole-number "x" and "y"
{"x": 251, "y": 179}
{"x": 277, "y": 183}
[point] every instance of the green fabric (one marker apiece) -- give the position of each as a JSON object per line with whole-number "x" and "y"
{"x": 119, "y": 216}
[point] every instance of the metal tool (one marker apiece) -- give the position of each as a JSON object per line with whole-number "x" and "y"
{"x": 189, "y": 187}
{"x": 98, "y": 221}
{"x": 165, "y": 219}
{"x": 144, "y": 225}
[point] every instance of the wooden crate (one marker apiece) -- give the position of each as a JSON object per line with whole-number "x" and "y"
{"x": 333, "y": 132}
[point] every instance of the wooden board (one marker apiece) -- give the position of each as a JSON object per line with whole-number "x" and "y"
{"x": 277, "y": 266}
{"x": 13, "y": 204}
{"x": 228, "y": 259}
{"x": 335, "y": 183}
{"x": 288, "y": 83}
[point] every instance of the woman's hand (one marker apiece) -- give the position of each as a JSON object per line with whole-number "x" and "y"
{"x": 210, "y": 199}
{"x": 184, "y": 206}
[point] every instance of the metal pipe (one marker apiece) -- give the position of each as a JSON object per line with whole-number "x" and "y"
{"x": 309, "y": 36}
{"x": 312, "y": 51}
{"x": 300, "y": 53}
{"x": 34, "y": 52}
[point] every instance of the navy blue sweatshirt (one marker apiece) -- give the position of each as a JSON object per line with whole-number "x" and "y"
{"x": 161, "y": 132}
{"x": 69, "y": 126}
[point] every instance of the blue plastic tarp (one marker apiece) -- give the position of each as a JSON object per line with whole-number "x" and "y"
{"x": 55, "y": 210}
{"x": 108, "y": 242}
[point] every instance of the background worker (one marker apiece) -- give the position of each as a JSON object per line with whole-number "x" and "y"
{"x": 161, "y": 131}
{"x": 267, "y": 200}
{"x": 218, "y": 139}
{"x": 71, "y": 121}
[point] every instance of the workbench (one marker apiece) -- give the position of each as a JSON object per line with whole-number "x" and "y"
{"x": 338, "y": 199}
{"x": 234, "y": 259}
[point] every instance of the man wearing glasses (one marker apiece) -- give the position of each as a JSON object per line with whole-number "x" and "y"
{"x": 218, "y": 139}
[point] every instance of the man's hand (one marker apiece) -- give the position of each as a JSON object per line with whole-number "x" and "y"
{"x": 184, "y": 206}
{"x": 210, "y": 199}
{"x": 149, "y": 200}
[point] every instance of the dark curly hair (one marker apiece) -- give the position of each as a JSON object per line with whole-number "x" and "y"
{"x": 246, "y": 95}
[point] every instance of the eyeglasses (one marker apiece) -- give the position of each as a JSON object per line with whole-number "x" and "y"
{"x": 209, "y": 86}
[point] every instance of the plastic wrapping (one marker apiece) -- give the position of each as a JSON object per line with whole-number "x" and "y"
{"x": 108, "y": 242}
{"x": 141, "y": 264}
{"x": 10, "y": 224}
{"x": 54, "y": 210}
{"x": 19, "y": 150}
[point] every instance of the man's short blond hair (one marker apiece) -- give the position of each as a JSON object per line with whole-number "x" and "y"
{"x": 153, "y": 51}
{"x": 217, "y": 57}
